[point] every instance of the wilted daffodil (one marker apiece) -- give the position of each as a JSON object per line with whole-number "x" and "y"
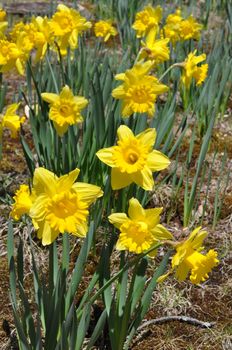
{"x": 104, "y": 29}
{"x": 65, "y": 108}
{"x": 67, "y": 24}
{"x": 146, "y": 20}
{"x": 139, "y": 90}
{"x": 22, "y": 202}
{"x": 191, "y": 70}
{"x": 156, "y": 50}
{"x": 133, "y": 159}
{"x": 11, "y": 120}
{"x": 60, "y": 204}
{"x": 141, "y": 229}
{"x": 189, "y": 259}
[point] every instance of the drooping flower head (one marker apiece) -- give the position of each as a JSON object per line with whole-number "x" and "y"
{"x": 141, "y": 229}
{"x": 133, "y": 159}
{"x": 156, "y": 50}
{"x": 189, "y": 259}
{"x": 139, "y": 90}
{"x": 23, "y": 200}
{"x": 67, "y": 24}
{"x": 193, "y": 71}
{"x": 104, "y": 29}
{"x": 146, "y": 20}
{"x": 60, "y": 204}
{"x": 11, "y": 120}
{"x": 171, "y": 29}
{"x": 65, "y": 108}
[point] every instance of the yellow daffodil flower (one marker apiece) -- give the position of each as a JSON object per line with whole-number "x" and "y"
{"x": 60, "y": 204}
{"x": 104, "y": 29}
{"x": 171, "y": 29}
{"x": 64, "y": 109}
{"x": 140, "y": 230}
{"x": 139, "y": 90}
{"x": 190, "y": 29}
{"x": 146, "y": 20}
{"x": 11, "y": 120}
{"x": 67, "y": 24}
{"x": 22, "y": 202}
{"x": 12, "y": 56}
{"x": 154, "y": 49}
{"x": 189, "y": 259}
{"x": 133, "y": 159}
{"x": 191, "y": 70}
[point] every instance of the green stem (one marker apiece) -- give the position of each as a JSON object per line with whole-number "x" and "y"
{"x": 168, "y": 70}
{"x": 120, "y": 272}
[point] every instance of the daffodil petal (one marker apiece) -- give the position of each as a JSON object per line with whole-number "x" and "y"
{"x": 119, "y": 180}
{"x": 87, "y": 192}
{"x": 124, "y": 132}
{"x": 50, "y": 97}
{"x": 106, "y": 156}
{"x": 117, "y": 219}
{"x": 44, "y": 181}
{"x": 157, "y": 161}
{"x": 135, "y": 211}
{"x": 147, "y": 137}
{"x": 66, "y": 181}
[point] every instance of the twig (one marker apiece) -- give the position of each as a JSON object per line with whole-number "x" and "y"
{"x": 185, "y": 319}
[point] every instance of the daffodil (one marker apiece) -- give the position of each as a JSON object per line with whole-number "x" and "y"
{"x": 154, "y": 49}
{"x": 133, "y": 159}
{"x": 67, "y": 24}
{"x": 23, "y": 200}
{"x": 189, "y": 259}
{"x": 146, "y": 20}
{"x": 105, "y": 29}
{"x": 139, "y": 90}
{"x": 65, "y": 108}
{"x": 12, "y": 55}
{"x": 11, "y": 120}
{"x": 171, "y": 29}
{"x": 191, "y": 70}
{"x": 190, "y": 29}
{"x": 60, "y": 204}
{"x": 141, "y": 229}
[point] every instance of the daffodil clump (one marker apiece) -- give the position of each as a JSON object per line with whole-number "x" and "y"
{"x": 179, "y": 29}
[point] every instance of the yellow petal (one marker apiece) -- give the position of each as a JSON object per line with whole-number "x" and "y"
{"x": 157, "y": 161}
{"x": 182, "y": 272}
{"x": 106, "y": 156}
{"x": 152, "y": 216}
{"x": 38, "y": 208}
{"x": 44, "y": 181}
{"x": 119, "y": 180}
{"x": 81, "y": 230}
{"x": 147, "y": 137}
{"x": 117, "y": 219}
{"x": 66, "y": 93}
{"x": 144, "y": 179}
{"x": 161, "y": 233}
{"x": 47, "y": 233}
{"x": 50, "y": 97}
{"x": 88, "y": 193}
{"x": 65, "y": 182}
{"x": 135, "y": 211}
{"x": 124, "y": 132}
{"x": 118, "y": 92}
